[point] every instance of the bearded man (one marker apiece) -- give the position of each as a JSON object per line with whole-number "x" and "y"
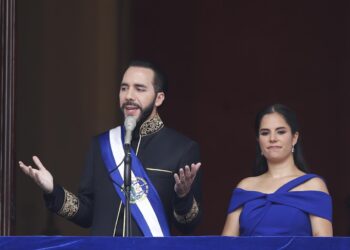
{"x": 165, "y": 187}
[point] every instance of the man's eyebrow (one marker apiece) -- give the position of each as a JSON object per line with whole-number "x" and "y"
{"x": 141, "y": 85}
{"x": 136, "y": 84}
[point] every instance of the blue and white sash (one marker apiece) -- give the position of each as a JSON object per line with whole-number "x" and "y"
{"x": 146, "y": 206}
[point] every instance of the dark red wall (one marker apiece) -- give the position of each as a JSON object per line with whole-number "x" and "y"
{"x": 227, "y": 59}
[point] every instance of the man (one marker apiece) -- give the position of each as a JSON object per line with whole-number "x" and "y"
{"x": 165, "y": 190}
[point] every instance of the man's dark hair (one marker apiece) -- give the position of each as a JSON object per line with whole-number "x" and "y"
{"x": 291, "y": 119}
{"x": 160, "y": 82}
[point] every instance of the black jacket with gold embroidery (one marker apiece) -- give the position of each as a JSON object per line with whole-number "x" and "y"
{"x": 162, "y": 152}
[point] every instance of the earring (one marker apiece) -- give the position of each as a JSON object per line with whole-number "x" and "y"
{"x": 293, "y": 149}
{"x": 262, "y": 154}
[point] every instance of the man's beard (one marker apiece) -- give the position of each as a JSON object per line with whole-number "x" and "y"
{"x": 144, "y": 112}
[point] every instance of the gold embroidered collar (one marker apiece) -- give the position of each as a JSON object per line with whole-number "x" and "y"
{"x": 151, "y": 126}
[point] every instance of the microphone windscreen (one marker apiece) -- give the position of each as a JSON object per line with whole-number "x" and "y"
{"x": 130, "y": 123}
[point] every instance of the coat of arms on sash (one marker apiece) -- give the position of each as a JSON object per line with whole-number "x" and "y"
{"x": 139, "y": 189}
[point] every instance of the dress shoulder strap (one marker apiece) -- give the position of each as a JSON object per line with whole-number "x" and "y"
{"x": 296, "y": 182}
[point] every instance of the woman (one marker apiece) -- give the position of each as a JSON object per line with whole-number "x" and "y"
{"x": 282, "y": 199}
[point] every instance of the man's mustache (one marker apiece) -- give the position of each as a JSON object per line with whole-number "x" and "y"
{"x": 130, "y": 103}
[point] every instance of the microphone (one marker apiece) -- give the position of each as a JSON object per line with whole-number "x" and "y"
{"x": 129, "y": 124}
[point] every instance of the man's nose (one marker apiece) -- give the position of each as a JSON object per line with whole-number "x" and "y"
{"x": 130, "y": 94}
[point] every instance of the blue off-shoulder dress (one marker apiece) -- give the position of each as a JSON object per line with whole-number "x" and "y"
{"x": 282, "y": 213}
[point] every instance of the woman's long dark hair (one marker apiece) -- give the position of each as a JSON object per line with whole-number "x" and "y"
{"x": 291, "y": 119}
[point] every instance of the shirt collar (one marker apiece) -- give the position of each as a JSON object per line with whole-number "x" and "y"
{"x": 151, "y": 126}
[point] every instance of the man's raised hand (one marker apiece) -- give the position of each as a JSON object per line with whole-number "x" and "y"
{"x": 185, "y": 178}
{"x": 41, "y": 176}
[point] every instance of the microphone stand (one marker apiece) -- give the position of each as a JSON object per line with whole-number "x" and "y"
{"x": 127, "y": 189}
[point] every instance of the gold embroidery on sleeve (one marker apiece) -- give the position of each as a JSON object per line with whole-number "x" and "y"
{"x": 190, "y": 216}
{"x": 70, "y": 205}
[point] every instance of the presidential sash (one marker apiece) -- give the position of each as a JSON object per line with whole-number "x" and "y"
{"x": 146, "y": 206}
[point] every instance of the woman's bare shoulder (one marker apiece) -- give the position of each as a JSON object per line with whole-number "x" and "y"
{"x": 249, "y": 182}
{"x": 316, "y": 184}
